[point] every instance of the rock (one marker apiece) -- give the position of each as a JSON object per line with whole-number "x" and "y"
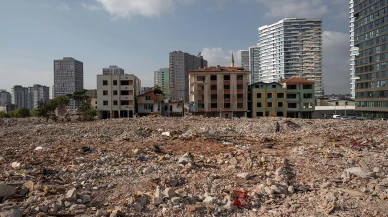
{"x": 85, "y": 198}
{"x": 268, "y": 190}
{"x": 12, "y": 213}
{"x": 6, "y": 190}
{"x": 71, "y": 195}
{"x": 113, "y": 215}
{"x": 158, "y": 197}
{"x": 376, "y": 170}
{"x": 325, "y": 185}
{"x": 148, "y": 170}
{"x": 358, "y": 171}
{"x": 169, "y": 134}
{"x": 276, "y": 189}
{"x": 383, "y": 196}
{"x": 15, "y": 165}
{"x": 44, "y": 208}
{"x": 185, "y": 159}
{"x": 135, "y": 151}
{"x": 173, "y": 182}
{"x": 291, "y": 189}
{"x": 245, "y": 176}
{"x": 233, "y": 161}
{"x": 138, "y": 207}
{"x": 169, "y": 192}
{"x": 208, "y": 199}
{"x": 190, "y": 208}
{"x": 29, "y": 185}
{"x": 176, "y": 200}
{"x": 101, "y": 213}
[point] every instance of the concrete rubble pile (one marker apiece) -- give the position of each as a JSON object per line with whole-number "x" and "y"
{"x": 193, "y": 166}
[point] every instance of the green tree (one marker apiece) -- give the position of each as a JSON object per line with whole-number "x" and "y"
{"x": 47, "y": 110}
{"x": 22, "y": 113}
{"x": 4, "y": 115}
{"x": 85, "y": 110}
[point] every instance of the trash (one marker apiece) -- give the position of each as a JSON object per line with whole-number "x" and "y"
{"x": 169, "y": 134}
{"x": 239, "y": 199}
{"x": 226, "y": 143}
{"x": 39, "y": 148}
{"x": 49, "y": 172}
{"x": 15, "y": 165}
{"x": 156, "y": 149}
{"x": 141, "y": 158}
{"x": 359, "y": 171}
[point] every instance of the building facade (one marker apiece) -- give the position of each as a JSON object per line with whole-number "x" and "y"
{"x": 180, "y": 65}
{"x": 38, "y": 93}
{"x": 267, "y": 99}
{"x": 164, "y": 83}
{"x": 156, "y": 78}
{"x": 144, "y": 90}
{"x": 112, "y": 70}
{"x": 300, "y": 98}
{"x": 21, "y": 97}
{"x": 5, "y": 97}
{"x": 68, "y": 78}
{"x": 245, "y": 59}
{"x": 370, "y": 37}
{"x": 116, "y": 95}
{"x": 219, "y": 91}
{"x": 289, "y": 48}
{"x": 149, "y": 103}
{"x": 254, "y": 64}
{"x": 354, "y": 52}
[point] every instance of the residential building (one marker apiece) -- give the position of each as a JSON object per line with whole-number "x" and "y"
{"x": 68, "y": 78}
{"x": 181, "y": 64}
{"x": 164, "y": 81}
{"x": 5, "y": 97}
{"x": 116, "y": 95}
{"x": 20, "y": 97}
{"x": 38, "y": 93}
{"x": 156, "y": 78}
{"x": 370, "y": 37}
{"x": 267, "y": 99}
{"x": 144, "y": 90}
{"x": 326, "y": 108}
{"x": 300, "y": 97}
{"x": 245, "y": 59}
{"x": 289, "y": 48}
{"x": 149, "y": 103}
{"x": 254, "y": 64}
{"x": 219, "y": 91}
{"x": 92, "y": 93}
{"x": 112, "y": 70}
{"x": 354, "y": 52}
{"x": 6, "y": 108}
{"x": 173, "y": 108}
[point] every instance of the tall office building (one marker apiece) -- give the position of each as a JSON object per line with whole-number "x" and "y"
{"x": 354, "y": 52}
{"x": 289, "y": 48}
{"x": 112, "y": 70}
{"x": 5, "y": 97}
{"x": 254, "y": 64}
{"x": 36, "y": 94}
{"x": 181, "y": 64}
{"x": 20, "y": 97}
{"x": 370, "y": 37}
{"x": 245, "y": 61}
{"x": 156, "y": 78}
{"x": 68, "y": 78}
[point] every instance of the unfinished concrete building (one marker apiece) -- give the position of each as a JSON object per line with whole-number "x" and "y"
{"x": 219, "y": 91}
{"x": 116, "y": 95}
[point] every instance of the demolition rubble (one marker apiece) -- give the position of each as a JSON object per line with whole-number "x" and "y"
{"x": 193, "y": 166}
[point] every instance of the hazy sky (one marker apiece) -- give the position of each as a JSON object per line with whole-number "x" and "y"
{"x": 137, "y": 35}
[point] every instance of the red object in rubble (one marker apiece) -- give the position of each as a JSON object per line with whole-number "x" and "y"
{"x": 239, "y": 199}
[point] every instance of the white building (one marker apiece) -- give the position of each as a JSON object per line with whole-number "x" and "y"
{"x": 354, "y": 51}
{"x": 289, "y": 48}
{"x": 116, "y": 95}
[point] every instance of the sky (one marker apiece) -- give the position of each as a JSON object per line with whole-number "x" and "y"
{"x": 137, "y": 35}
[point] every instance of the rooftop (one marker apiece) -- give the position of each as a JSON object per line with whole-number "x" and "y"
{"x": 220, "y": 69}
{"x": 297, "y": 80}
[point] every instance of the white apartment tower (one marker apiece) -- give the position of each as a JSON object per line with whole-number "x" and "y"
{"x": 289, "y": 48}
{"x": 354, "y": 51}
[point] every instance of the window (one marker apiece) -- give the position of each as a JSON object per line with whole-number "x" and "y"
{"x": 292, "y": 105}
{"x": 291, "y": 87}
{"x": 200, "y": 106}
{"x": 148, "y": 97}
{"x": 308, "y": 95}
{"x": 239, "y": 87}
{"x": 240, "y": 96}
{"x": 269, "y": 95}
{"x": 291, "y": 96}
{"x": 240, "y": 105}
{"x": 280, "y": 95}
{"x": 280, "y": 104}
{"x": 213, "y": 77}
{"x": 105, "y": 82}
{"x": 115, "y": 92}
{"x": 240, "y": 77}
{"x": 279, "y": 114}
{"x": 258, "y": 95}
{"x": 226, "y": 105}
{"x": 147, "y": 107}
{"x": 270, "y": 105}
{"x": 213, "y": 96}
{"x": 227, "y": 96}
{"x": 274, "y": 86}
{"x": 104, "y": 92}
{"x": 105, "y": 102}
{"x": 226, "y": 77}
{"x": 114, "y": 82}
{"x": 259, "y": 114}
{"x": 214, "y": 105}
{"x": 258, "y": 105}
{"x": 307, "y": 86}
{"x": 115, "y": 102}
{"x": 226, "y": 87}
{"x": 213, "y": 87}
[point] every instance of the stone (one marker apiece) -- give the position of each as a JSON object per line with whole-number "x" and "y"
{"x": 376, "y": 170}
{"x": 15, "y": 165}
{"x": 383, "y": 196}
{"x": 12, "y": 213}
{"x": 158, "y": 197}
{"x": 138, "y": 207}
{"x": 358, "y": 171}
{"x": 101, "y": 213}
{"x": 113, "y": 215}
{"x": 291, "y": 189}
{"x": 29, "y": 185}
{"x": 276, "y": 189}
{"x": 175, "y": 200}
{"x": 6, "y": 190}
{"x": 190, "y": 208}
{"x": 185, "y": 159}
{"x": 245, "y": 176}
{"x": 71, "y": 195}
{"x": 169, "y": 192}
{"x": 44, "y": 208}
{"x": 209, "y": 200}
{"x": 325, "y": 185}
{"x": 268, "y": 190}
{"x": 148, "y": 170}
{"x": 173, "y": 182}
{"x": 135, "y": 151}
{"x": 233, "y": 161}
{"x": 85, "y": 198}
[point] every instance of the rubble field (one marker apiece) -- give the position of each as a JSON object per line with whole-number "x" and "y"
{"x": 193, "y": 166}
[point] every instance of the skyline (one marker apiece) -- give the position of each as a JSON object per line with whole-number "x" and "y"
{"x": 138, "y": 38}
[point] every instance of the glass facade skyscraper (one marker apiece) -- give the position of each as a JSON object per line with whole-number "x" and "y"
{"x": 289, "y": 48}
{"x": 370, "y": 37}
